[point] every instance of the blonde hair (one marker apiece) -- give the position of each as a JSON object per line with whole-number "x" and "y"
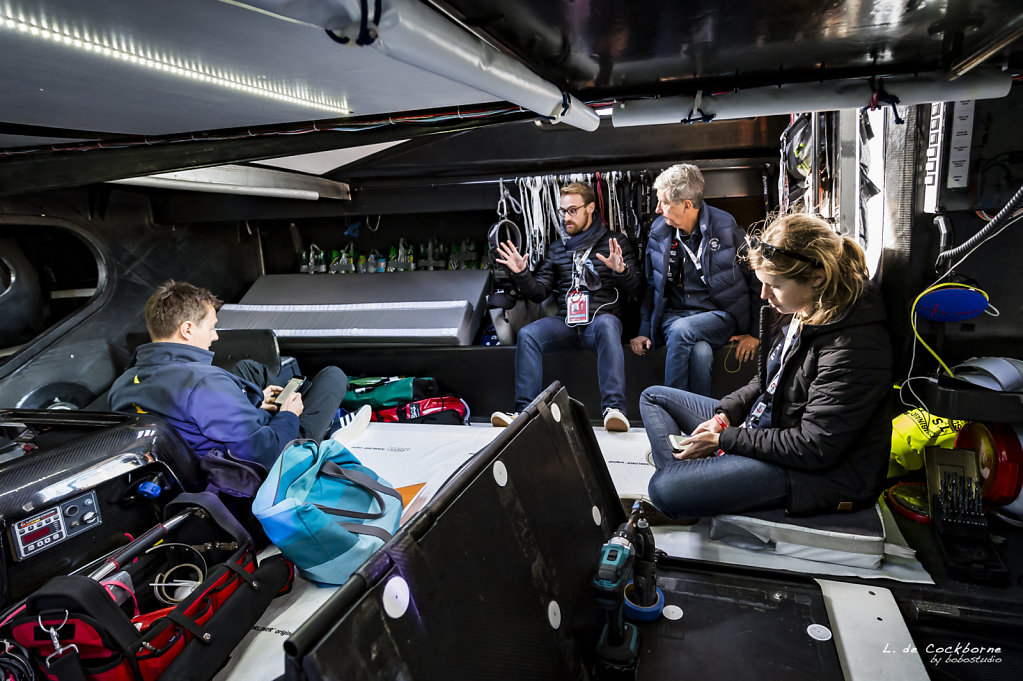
{"x": 838, "y": 257}
{"x": 584, "y": 191}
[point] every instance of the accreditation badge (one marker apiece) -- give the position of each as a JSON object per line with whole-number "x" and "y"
{"x": 578, "y": 304}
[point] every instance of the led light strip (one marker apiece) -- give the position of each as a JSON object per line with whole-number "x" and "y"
{"x": 31, "y": 28}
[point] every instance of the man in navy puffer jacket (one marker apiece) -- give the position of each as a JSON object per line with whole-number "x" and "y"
{"x": 698, "y": 295}
{"x": 211, "y": 408}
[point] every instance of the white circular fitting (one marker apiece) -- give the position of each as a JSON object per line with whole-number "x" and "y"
{"x": 554, "y": 614}
{"x": 396, "y": 597}
{"x": 556, "y": 413}
{"x": 672, "y": 612}
{"x": 596, "y": 516}
{"x": 819, "y": 632}
{"x": 500, "y": 473}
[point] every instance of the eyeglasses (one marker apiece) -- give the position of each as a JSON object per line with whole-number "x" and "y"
{"x": 571, "y": 210}
{"x": 768, "y": 251}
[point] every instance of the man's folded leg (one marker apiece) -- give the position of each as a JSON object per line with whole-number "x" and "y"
{"x": 320, "y": 399}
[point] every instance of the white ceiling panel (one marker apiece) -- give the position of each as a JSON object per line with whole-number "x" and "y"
{"x": 165, "y": 66}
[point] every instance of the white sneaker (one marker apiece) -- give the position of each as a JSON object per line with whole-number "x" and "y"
{"x": 352, "y": 424}
{"x": 615, "y": 421}
{"x": 502, "y": 419}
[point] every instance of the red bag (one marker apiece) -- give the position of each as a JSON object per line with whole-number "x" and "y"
{"x": 74, "y": 629}
{"x": 444, "y": 410}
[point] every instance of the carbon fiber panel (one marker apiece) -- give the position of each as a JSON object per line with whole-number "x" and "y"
{"x": 21, "y": 478}
{"x": 109, "y": 454}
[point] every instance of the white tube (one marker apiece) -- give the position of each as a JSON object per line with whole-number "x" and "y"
{"x": 800, "y": 97}
{"x": 188, "y": 185}
{"x": 412, "y": 33}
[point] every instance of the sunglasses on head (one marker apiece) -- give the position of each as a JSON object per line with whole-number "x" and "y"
{"x": 768, "y": 251}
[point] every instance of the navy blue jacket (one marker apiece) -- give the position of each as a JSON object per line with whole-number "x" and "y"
{"x": 211, "y": 408}
{"x": 733, "y": 286}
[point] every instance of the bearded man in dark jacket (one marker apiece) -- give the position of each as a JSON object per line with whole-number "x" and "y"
{"x": 590, "y": 272}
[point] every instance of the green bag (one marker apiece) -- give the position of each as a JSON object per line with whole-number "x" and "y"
{"x": 380, "y": 392}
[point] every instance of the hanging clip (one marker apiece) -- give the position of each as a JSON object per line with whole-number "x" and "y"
{"x": 879, "y": 97}
{"x": 703, "y": 117}
{"x": 58, "y": 648}
{"x": 566, "y": 105}
{"x": 502, "y": 203}
{"x": 367, "y": 34}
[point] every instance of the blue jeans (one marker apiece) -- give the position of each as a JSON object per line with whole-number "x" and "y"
{"x": 694, "y": 488}
{"x": 691, "y": 337}
{"x": 551, "y": 334}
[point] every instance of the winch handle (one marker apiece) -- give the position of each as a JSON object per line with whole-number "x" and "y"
{"x": 136, "y": 547}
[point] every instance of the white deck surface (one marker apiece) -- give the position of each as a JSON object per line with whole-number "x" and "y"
{"x": 414, "y": 454}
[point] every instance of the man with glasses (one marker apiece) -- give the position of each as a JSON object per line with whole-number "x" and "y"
{"x": 698, "y": 296}
{"x": 590, "y": 271}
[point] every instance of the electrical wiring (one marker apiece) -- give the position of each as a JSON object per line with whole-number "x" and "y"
{"x": 163, "y": 579}
{"x": 937, "y": 284}
{"x": 1007, "y": 212}
{"x": 970, "y": 252}
{"x": 332, "y": 125}
{"x": 913, "y": 316}
{"x": 14, "y": 663}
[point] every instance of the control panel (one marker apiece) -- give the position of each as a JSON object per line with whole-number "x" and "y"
{"x": 51, "y": 526}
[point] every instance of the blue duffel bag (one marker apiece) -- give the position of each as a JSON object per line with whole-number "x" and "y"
{"x": 324, "y": 510}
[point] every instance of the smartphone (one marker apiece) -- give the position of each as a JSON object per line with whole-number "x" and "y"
{"x": 293, "y": 385}
{"x": 676, "y": 443}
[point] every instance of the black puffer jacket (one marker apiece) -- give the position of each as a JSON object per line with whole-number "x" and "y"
{"x": 831, "y": 417}
{"x": 554, "y": 275}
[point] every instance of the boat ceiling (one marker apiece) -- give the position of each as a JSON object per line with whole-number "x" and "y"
{"x": 115, "y": 72}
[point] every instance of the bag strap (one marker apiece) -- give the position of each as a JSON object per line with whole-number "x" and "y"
{"x": 373, "y": 530}
{"x": 363, "y": 481}
{"x": 67, "y": 667}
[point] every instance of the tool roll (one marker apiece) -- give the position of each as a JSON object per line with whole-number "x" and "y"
{"x": 169, "y": 606}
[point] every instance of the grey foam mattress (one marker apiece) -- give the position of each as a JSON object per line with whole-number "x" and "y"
{"x": 855, "y": 539}
{"x": 417, "y": 308}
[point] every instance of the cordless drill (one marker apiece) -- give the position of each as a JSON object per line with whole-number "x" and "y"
{"x": 618, "y": 646}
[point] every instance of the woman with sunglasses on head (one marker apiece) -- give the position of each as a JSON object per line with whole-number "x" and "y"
{"x": 811, "y": 432}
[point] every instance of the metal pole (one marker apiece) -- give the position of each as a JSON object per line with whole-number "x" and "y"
{"x": 1010, "y": 33}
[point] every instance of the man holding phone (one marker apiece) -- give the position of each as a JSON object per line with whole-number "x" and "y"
{"x": 237, "y": 412}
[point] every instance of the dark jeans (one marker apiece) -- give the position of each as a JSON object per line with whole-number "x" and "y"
{"x": 694, "y": 488}
{"x": 691, "y": 338}
{"x": 321, "y": 396}
{"x": 551, "y": 334}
